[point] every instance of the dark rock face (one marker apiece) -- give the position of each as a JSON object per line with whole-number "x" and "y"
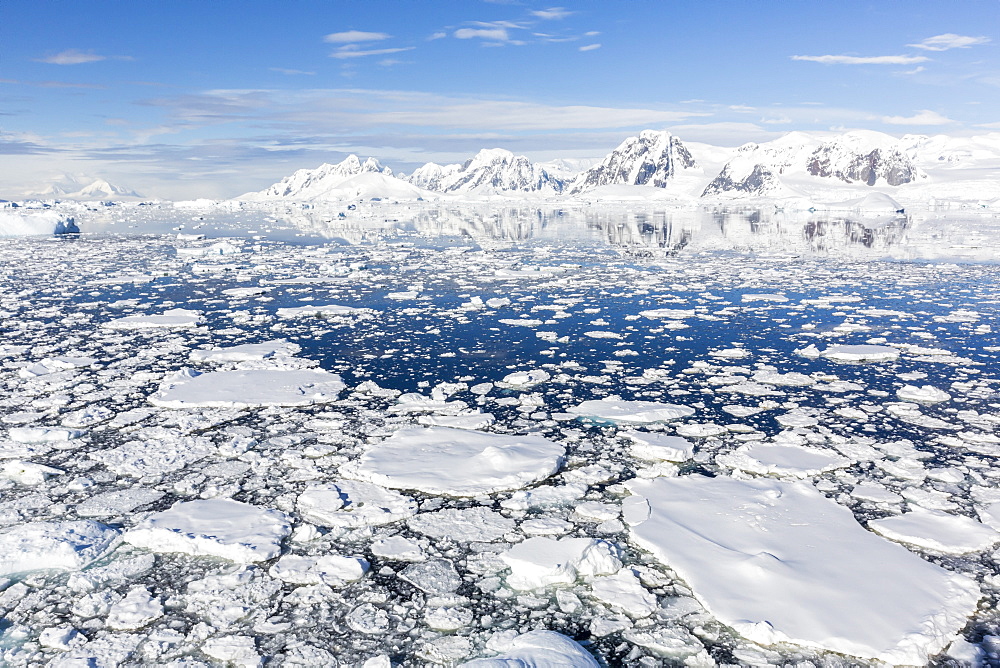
{"x": 891, "y": 165}
{"x": 759, "y": 182}
{"x": 650, "y": 159}
{"x": 502, "y": 171}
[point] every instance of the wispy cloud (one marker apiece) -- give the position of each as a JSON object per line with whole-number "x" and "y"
{"x": 354, "y": 36}
{"x": 72, "y": 57}
{"x": 590, "y": 47}
{"x": 353, "y": 51}
{"x": 289, "y": 72}
{"x": 922, "y": 117}
{"x": 494, "y": 34}
{"x": 949, "y": 40}
{"x": 864, "y": 60}
{"x": 438, "y": 35}
{"x": 552, "y": 13}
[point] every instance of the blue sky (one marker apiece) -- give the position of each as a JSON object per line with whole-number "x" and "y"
{"x": 178, "y": 98}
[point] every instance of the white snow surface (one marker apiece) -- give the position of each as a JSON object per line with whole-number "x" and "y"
{"x": 782, "y": 459}
{"x": 214, "y": 527}
{"x": 177, "y": 317}
{"x": 543, "y": 562}
{"x": 53, "y": 545}
{"x": 779, "y": 562}
{"x": 459, "y": 462}
{"x": 618, "y": 410}
{"x": 936, "y": 531}
{"x": 861, "y": 353}
{"x": 248, "y": 352}
{"x": 538, "y": 649}
{"x": 351, "y": 503}
{"x": 249, "y": 388}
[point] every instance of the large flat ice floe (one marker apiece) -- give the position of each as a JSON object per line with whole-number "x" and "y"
{"x": 459, "y": 462}
{"x": 779, "y": 562}
{"x": 174, "y": 318}
{"x": 53, "y": 545}
{"x": 214, "y": 527}
{"x": 618, "y": 410}
{"x": 537, "y": 649}
{"x": 249, "y": 388}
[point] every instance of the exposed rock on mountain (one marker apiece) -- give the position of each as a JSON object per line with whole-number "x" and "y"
{"x": 316, "y": 183}
{"x": 650, "y": 159}
{"x": 492, "y": 171}
{"x": 863, "y": 157}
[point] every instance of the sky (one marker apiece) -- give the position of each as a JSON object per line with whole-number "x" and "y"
{"x": 181, "y": 98}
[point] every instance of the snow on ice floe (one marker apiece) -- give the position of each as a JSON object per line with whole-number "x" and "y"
{"x": 617, "y": 410}
{"x": 535, "y": 649}
{"x": 861, "y": 353}
{"x": 248, "y": 388}
{"x": 458, "y": 462}
{"x": 779, "y": 562}
{"x": 213, "y": 527}
{"x": 53, "y": 545}
{"x": 463, "y": 525}
{"x": 43, "y": 434}
{"x": 653, "y": 446}
{"x": 779, "y": 459}
{"x": 936, "y": 531}
{"x": 926, "y": 394}
{"x": 322, "y": 311}
{"x": 173, "y": 318}
{"x": 248, "y": 352}
{"x": 543, "y": 562}
{"x": 329, "y": 569}
{"x": 347, "y": 504}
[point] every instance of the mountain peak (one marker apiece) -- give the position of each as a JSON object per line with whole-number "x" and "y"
{"x": 652, "y": 159}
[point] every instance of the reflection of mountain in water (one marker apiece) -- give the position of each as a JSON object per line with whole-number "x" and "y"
{"x": 635, "y": 231}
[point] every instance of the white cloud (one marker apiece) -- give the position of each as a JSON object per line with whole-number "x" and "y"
{"x": 353, "y": 36}
{"x": 922, "y": 117}
{"x": 864, "y": 60}
{"x": 289, "y": 72}
{"x": 438, "y": 35}
{"x": 495, "y": 34}
{"x": 552, "y": 13}
{"x": 72, "y": 57}
{"x": 590, "y": 47}
{"x": 352, "y": 51}
{"x": 949, "y": 40}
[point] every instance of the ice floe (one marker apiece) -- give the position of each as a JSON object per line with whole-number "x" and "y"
{"x": 543, "y": 562}
{"x": 172, "y": 318}
{"x": 53, "y": 545}
{"x": 536, "y": 649}
{"x": 618, "y": 410}
{"x": 249, "y": 388}
{"x": 779, "y": 562}
{"x": 459, "y": 462}
{"x": 936, "y": 531}
{"x": 348, "y": 504}
{"x": 215, "y": 527}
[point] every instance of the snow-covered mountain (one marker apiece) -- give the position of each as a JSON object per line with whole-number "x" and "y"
{"x": 322, "y": 182}
{"x": 786, "y": 166}
{"x": 651, "y": 159}
{"x": 83, "y": 188}
{"x": 492, "y": 171}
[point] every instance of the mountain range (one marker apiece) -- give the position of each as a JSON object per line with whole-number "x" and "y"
{"x": 82, "y": 188}
{"x": 659, "y": 165}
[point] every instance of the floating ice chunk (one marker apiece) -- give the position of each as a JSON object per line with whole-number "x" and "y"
{"x": 538, "y": 649}
{"x": 329, "y": 569}
{"x": 656, "y": 447}
{"x": 498, "y": 302}
{"x": 53, "y": 545}
{"x": 863, "y": 353}
{"x": 543, "y": 562}
{"x": 670, "y": 313}
{"x": 521, "y": 322}
{"x": 54, "y": 364}
{"x": 240, "y": 651}
{"x": 347, "y": 504}
{"x": 704, "y": 430}
{"x": 437, "y": 576}
{"x": 117, "y": 502}
{"x": 764, "y": 297}
{"x": 43, "y": 434}
{"x": 242, "y": 293}
{"x": 796, "y": 419}
{"x": 213, "y": 527}
{"x": 460, "y": 421}
{"x": 27, "y": 473}
{"x": 249, "y": 388}
{"x": 793, "y": 379}
{"x": 936, "y": 531}
{"x": 870, "y": 491}
{"x": 135, "y": 611}
{"x": 398, "y": 548}
{"x": 410, "y": 294}
{"x": 324, "y": 311}
{"x": 795, "y": 461}
{"x": 624, "y": 591}
{"x": 779, "y": 562}
{"x": 618, "y": 410}
{"x": 909, "y": 412}
{"x": 523, "y": 379}
{"x": 603, "y": 335}
{"x": 928, "y": 394}
{"x": 544, "y": 496}
{"x": 459, "y": 462}
{"x": 177, "y": 317}
{"x": 248, "y": 352}
{"x": 463, "y": 525}
{"x": 731, "y": 353}
{"x": 546, "y": 526}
